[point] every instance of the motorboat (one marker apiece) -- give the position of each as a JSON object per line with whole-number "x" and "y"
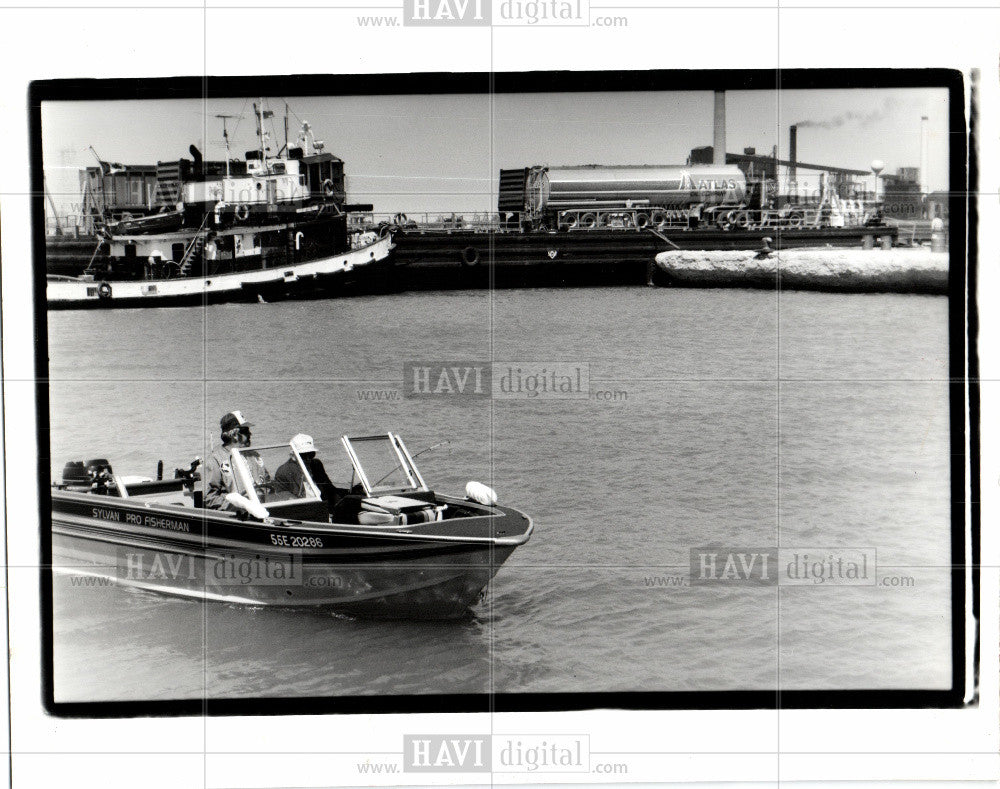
{"x": 382, "y": 545}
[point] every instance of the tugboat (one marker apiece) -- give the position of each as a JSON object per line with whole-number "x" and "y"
{"x": 270, "y": 227}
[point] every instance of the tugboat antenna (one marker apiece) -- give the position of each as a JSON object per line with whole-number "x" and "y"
{"x": 285, "y": 148}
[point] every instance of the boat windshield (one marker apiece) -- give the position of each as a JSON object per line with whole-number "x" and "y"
{"x": 273, "y": 473}
{"x": 383, "y": 465}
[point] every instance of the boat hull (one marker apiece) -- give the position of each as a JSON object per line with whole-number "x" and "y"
{"x": 315, "y": 277}
{"x": 433, "y": 587}
{"x": 432, "y": 571}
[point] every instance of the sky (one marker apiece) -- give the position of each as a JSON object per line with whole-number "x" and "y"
{"x": 443, "y": 152}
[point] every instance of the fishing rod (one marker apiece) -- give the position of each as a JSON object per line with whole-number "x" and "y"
{"x": 433, "y": 446}
{"x": 418, "y": 454}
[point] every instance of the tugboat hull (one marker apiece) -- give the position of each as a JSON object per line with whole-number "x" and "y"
{"x": 312, "y": 277}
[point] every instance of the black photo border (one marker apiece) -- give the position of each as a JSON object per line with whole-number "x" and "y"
{"x": 963, "y": 373}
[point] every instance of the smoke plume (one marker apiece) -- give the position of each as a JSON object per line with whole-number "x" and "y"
{"x": 861, "y": 118}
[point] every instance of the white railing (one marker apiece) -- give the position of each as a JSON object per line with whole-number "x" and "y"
{"x": 844, "y": 214}
{"x": 428, "y": 220}
{"x": 69, "y": 225}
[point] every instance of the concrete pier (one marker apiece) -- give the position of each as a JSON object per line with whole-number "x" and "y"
{"x": 898, "y": 270}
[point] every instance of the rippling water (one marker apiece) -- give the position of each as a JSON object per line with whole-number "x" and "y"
{"x": 705, "y": 447}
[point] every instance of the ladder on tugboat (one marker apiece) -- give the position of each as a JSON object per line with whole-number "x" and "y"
{"x": 196, "y": 245}
{"x": 90, "y": 264}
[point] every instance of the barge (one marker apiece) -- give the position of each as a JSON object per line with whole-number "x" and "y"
{"x": 443, "y": 259}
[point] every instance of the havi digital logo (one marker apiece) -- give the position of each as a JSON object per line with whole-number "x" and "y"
{"x": 447, "y": 12}
{"x": 437, "y": 753}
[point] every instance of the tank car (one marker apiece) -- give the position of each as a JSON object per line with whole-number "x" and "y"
{"x": 594, "y": 196}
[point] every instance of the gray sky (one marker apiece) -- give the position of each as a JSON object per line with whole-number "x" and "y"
{"x": 437, "y": 153}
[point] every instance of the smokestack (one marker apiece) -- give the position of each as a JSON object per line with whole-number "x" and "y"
{"x": 793, "y": 151}
{"x": 923, "y": 154}
{"x": 719, "y": 140}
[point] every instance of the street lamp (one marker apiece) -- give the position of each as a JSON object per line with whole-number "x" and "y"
{"x": 877, "y": 166}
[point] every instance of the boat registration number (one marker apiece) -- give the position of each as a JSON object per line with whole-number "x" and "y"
{"x": 296, "y": 542}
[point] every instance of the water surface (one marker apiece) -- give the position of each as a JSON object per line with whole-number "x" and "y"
{"x": 707, "y": 446}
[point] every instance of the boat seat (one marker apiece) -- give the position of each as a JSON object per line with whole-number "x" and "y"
{"x": 377, "y": 519}
{"x": 299, "y": 509}
{"x": 402, "y": 510}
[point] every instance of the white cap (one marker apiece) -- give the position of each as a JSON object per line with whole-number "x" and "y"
{"x": 303, "y": 443}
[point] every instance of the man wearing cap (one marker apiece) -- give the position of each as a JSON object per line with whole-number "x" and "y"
{"x": 289, "y": 475}
{"x": 220, "y": 479}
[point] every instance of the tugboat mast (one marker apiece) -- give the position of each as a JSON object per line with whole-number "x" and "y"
{"x": 225, "y": 136}
{"x": 260, "y": 114}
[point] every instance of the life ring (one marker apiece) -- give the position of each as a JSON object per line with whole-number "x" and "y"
{"x": 742, "y": 219}
{"x": 659, "y": 219}
{"x": 399, "y": 219}
{"x": 588, "y": 221}
{"x": 328, "y": 187}
{"x": 242, "y": 212}
{"x": 727, "y": 221}
{"x": 642, "y": 221}
{"x": 470, "y": 256}
{"x": 104, "y": 290}
{"x": 571, "y": 221}
{"x": 796, "y": 219}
